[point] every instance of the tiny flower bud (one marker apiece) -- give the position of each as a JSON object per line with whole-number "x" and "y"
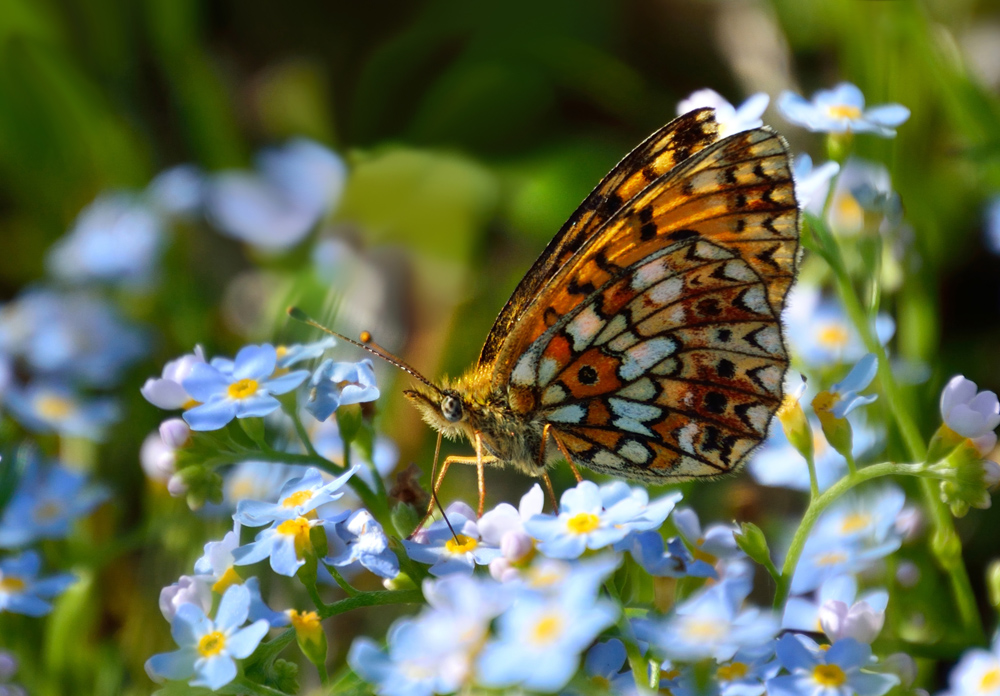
{"x": 860, "y": 621}
{"x": 516, "y": 546}
{"x": 175, "y": 433}
{"x": 991, "y": 473}
{"x": 837, "y": 430}
{"x": 189, "y": 589}
{"x": 502, "y": 570}
{"x": 751, "y": 539}
{"x": 993, "y": 583}
{"x": 794, "y": 422}
{"x": 177, "y": 486}
{"x": 157, "y": 459}
{"x": 907, "y": 574}
{"x": 402, "y": 581}
{"x": 309, "y": 635}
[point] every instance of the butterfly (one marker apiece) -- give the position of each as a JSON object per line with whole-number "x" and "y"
{"x": 645, "y": 342}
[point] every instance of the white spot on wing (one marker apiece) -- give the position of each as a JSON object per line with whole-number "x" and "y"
{"x": 553, "y": 395}
{"x": 548, "y": 369}
{"x": 524, "y": 371}
{"x": 640, "y": 390}
{"x": 573, "y": 413}
{"x": 623, "y": 342}
{"x": 630, "y": 409}
{"x": 667, "y": 291}
{"x": 608, "y": 459}
{"x": 739, "y": 270}
{"x": 755, "y": 300}
{"x": 584, "y": 327}
{"x": 612, "y": 329}
{"x": 639, "y": 358}
{"x": 685, "y": 438}
{"x": 633, "y": 451}
{"x": 648, "y": 274}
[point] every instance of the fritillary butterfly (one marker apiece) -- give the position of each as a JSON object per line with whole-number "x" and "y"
{"x": 646, "y": 341}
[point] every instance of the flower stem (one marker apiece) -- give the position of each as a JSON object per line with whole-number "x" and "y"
{"x": 371, "y": 599}
{"x": 300, "y": 429}
{"x": 339, "y": 579}
{"x": 813, "y": 480}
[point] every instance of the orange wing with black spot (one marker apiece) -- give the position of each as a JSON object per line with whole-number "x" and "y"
{"x": 657, "y": 155}
{"x": 656, "y": 351}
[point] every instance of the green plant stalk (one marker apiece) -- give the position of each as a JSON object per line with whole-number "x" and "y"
{"x": 946, "y": 548}
{"x": 635, "y": 658}
{"x": 302, "y": 433}
{"x": 371, "y": 599}
{"x": 813, "y": 479}
{"x": 242, "y": 685}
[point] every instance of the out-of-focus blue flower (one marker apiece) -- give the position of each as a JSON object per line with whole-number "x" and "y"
{"x": 8, "y": 668}
{"x": 604, "y": 663}
{"x": 716, "y": 541}
{"x": 77, "y": 336}
{"x": 22, "y": 591}
{"x": 779, "y": 464}
{"x": 812, "y": 184}
{"x": 277, "y": 207}
{"x": 47, "y": 501}
{"x": 833, "y": 672}
{"x": 364, "y": 542}
{"x": 255, "y": 480}
{"x": 971, "y": 413}
{"x": 189, "y": 589}
{"x": 712, "y": 623}
{"x": 593, "y": 518}
{"x": 845, "y": 392}
{"x": 178, "y": 191}
{"x": 448, "y": 553}
{"x": 539, "y": 639}
{"x": 863, "y": 187}
{"x": 503, "y": 526}
{"x": 670, "y": 561}
{"x": 552, "y": 576}
{"x": 746, "y": 673}
{"x": 168, "y": 392}
{"x": 730, "y": 119}
{"x": 326, "y": 439}
{"x": 50, "y": 407}
{"x": 338, "y": 384}
{"x": 245, "y": 393}
{"x": 821, "y": 334}
{"x": 840, "y": 110}
{"x": 117, "y": 238}
{"x": 803, "y": 613}
{"x": 992, "y": 225}
{"x": 977, "y": 673}
{"x": 297, "y": 498}
{"x": 209, "y": 648}
{"x": 299, "y": 352}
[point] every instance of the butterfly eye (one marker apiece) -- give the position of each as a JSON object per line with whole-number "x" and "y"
{"x": 451, "y": 408}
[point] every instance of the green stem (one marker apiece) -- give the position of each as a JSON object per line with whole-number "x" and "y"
{"x": 635, "y": 658}
{"x": 242, "y": 685}
{"x": 813, "y": 480}
{"x": 302, "y": 433}
{"x": 321, "y": 606}
{"x": 946, "y": 546}
{"x": 816, "y": 508}
{"x": 852, "y": 466}
{"x": 339, "y": 579}
{"x": 371, "y": 599}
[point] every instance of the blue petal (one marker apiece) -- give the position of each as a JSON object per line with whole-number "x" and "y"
{"x": 256, "y": 406}
{"x": 888, "y": 115}
{"x": 26, "y": 604}
{"x": 284, "y": 561}
{"x": 786, "y": 685}
{"x": 242, "y": 643}
{"x": 257, "y": 513}
{"x": 286, "y": 383}
{"x": 205, "y": 382}
{"x": 566, "y": 546}
{"x": 848, "y": 94}
{"x": 586, "y": 497}
{"x": 369, "y": 662}
{"x": 255, "y": 362}
{"x": 212, "y": 415}
{"x": 173, "y": 665}
{"x": 848, "y": 654}
{"x": 255, "y": 551}
{"x": 215, "y": 672}
{"x": 189, "y": 625}
{"x": 233, "y": 609}
{"x": 605, "y": 659}
{"x": 869, "y": 684}
{"x": 793, "y": 655}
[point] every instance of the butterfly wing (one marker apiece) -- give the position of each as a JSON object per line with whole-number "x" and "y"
{"x": 658, "y": 154}
{"x": 656, "y": 351}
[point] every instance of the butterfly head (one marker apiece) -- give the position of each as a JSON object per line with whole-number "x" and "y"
{"x": 443, "y": 409}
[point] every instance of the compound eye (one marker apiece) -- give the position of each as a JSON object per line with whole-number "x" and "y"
{"x": 451, "y": 408}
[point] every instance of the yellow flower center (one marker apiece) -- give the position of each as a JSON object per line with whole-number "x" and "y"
{"x": 825, "y": 401}
{"x": 833, "y": 336}
{"x": 282, "y": 351}
{"x": 307, "y": 624}
{"x": 228, "y": 579}
{"x": 670, "y": 674}
{"x": 47, "y": 511}
{"x": 243, "y": 389}
{"x": 990, "y": 680}
{"x": 844, "y": 111}
{"x": 189, "y": 404}
{"x": 12, "y": 585}
{"x": 855, "y": 522}
{"x": 298, "y": 528}
{"x": 211, "y": 644}
{"x": 461, "y": 544}
{"x": 53, "y": 407}
{"x": 583, "y": 523}
{"x": 539, "y": 578}
{"x": 547, "y": 629}
{"x": 731, "y": 672}
{"x": 703, "y": 630}
{"x": 296, "y": 499}
{"x": 848, "y": 214}
{"x": 832, "y": 558}
{"x": 829, "y": 675}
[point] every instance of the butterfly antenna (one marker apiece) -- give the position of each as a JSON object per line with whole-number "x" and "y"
{"x": 365, "y": 343}
{"x": 444, "y": 515}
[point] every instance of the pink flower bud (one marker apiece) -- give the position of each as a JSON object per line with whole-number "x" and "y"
{"x": 991, "y": 473}
{"x": 175, "y": 433}
{"x": 157, "y": 459}
{"x": 860, "y": 621}
{"x": 502, "y": 570}
{"x": 176, "y": 486}
{"x": 516, "y": 545}
{"x": 189, "y": 589}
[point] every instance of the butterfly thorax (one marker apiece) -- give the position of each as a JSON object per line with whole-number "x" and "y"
{"x": 463, "y": 407}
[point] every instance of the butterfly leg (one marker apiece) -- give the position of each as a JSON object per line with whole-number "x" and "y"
{"x": 545, "y": 474}
{"x": 480, "y": 478}
{"x": 569, "y": 459}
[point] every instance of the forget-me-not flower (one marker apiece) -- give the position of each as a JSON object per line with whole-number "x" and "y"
{"x": 971, "y": 413}
{"x": 22, "y": 591}
{"x": 256, "y": 480}
{"x": 363, "y": 541}
{"x": 48, "y": 499}
{"x": 714, "y": 542}
{"x": 603, "y": 665}
{"x": 167, "y": 391}
{"x": 338, "y": 384}
{"x": 833, "y": 672}
{"x": 977, "y": 673}
{"x": 209, "y": 648}
{"x": 53, "y": 407}
{"x": 812, "y": 184}
{"x": 731, "y": 119}
{"x": 450, "y": 553}
{"x": 820, "y": 332}
{"x": 300, "y": 352}
{"x": 245, "y": 393}
{"x": 672, "y": 560}
{"x": 840, "y": 110}
{"x": 177, "y": 192}
{"x": 746, "y": 672}
{"x": 803, "y": 613}
{"x": 297, "y": 498}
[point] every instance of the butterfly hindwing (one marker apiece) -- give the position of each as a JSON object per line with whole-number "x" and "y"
{"x": 657, "y": 155}
{"x": 656, "y": 350}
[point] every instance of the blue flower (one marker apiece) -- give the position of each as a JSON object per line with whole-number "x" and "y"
{"x": 672, "y": 561}
{"x": 338, "y": 384}
{"x": 167, "y": 391}
{"x": 448, "y": 553}
{"x": 539, "y": 639}
{"x": 552, "y": 576}
{"x": 255, "y": 480}
{"x": 833, "y": 672}
{"x": 275, "y": 209}
{"x": 970, "y": 413}
{"x": 803, "y": 613}
{"x": 299, "y": 352}
{"x": 840, "y": 110}
{"x": 297, "y": 498}
{"x": 746, "y": 672}
{"x": 47, "y": 501}
{"x": 820, "y": 332}
{"x": 593, "y": 518}
{"x": 730, "y": 119}
{"x": 604, "y": 663}
{"x": 977, "y": 673}
{"x": 51, "y": 407}
{"x": 117, "y": 238}
{"x": 178, "y": 191}
{"x": 364, "y": 542}
{"x": 22, "y": 591}
{"x": 812, "y": 184}
{"x": 992, "y": 225}
{"x": 715, "y": 542}
{"x": 846, "y": 391}
{"x": 245, "y": 393}
{"x": 209, "y": 648}
{"x": 863, "y": 187}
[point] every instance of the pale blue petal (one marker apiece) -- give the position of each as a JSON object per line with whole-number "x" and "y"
{"x": 848, "y": 653}
{"x": 543, "y": 527}
{"x": 888, "y": 115}
{"x": 793, "y": 655}
{"x": 848, "y": 94}
{"x": 173, "y": 665}
{"x": 212, "y": 415}
{"x": 605, "y": 659}
{"x": 786, "y": 685}
{"x": 26, "y": 604}
{"x": 214, "y": 672}
{"x": 554, "y": 673}
{"x": 204, "y": 382}
{"x": 255, "y": 551}
{"x": 242, "y": 643}
{"x": 189, "y": 625}
{"x": 284, "y": 561}
{"x": 860, "y": 376}
{"x": 870, "y": 684}
{"x": 233, "y": 609}
{"x": 256, "y": 406}
{"x": 567, "y": 546}
{"x": 286, "y": 383}
{"x": 586, "y": 497}
{"x": 255, "y": 362}
{"x": 257, "y": 513}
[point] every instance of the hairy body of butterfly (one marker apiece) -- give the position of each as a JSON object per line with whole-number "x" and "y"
{"x": 646, "y": 341}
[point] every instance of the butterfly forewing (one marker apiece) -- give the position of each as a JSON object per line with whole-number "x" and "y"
{"x": 656, "y": 350}
{"x": 657, "y": 155}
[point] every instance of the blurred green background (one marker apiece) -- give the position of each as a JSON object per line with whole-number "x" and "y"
{"x": 472, "y": 130}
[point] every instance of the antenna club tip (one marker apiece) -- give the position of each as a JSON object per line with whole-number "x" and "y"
{"x": 366, "y": 337}
{"x": 296, "y": 313}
